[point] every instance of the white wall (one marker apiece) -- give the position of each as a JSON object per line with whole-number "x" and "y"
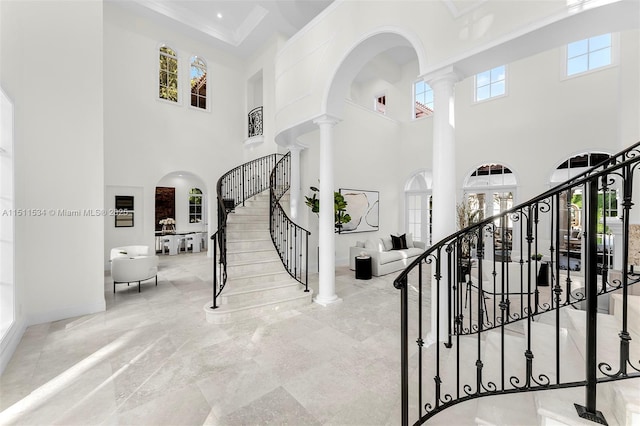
{"x": 262, "y": 64}
{"x": 146, "y": 138}
{"x": 543, "y": 120}
{"x": 55, "y": 79}
{"x": 308, "y": 62}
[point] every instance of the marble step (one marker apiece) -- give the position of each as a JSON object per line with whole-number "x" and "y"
{"x": 259, "y": 292}
{"x": 253, "y": 210}
{"x": 257, "y": 278}
{"x": 245, "y": 310}
{"x": 608, "y": 340}
{"x": 249, "y": 225}
{"x": 253, "y": 267}
{"x": 251, "y": 244}
{"x": 251, "y": 255}
{"x": 633, "y": 311}
{"x": 233, "y": 219}
{"x": 626, "y": 397}
{"x": 556, "y": 407}
{"x": 248, "y": 234}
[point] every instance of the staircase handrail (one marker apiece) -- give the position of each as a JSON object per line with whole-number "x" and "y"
{"x": 460, "y": 316}
{"x": 233, "y": 189}
{"x": 290, "y": 239}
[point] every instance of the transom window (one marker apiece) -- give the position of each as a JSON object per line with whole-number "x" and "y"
{"x": 491, "y": 83}
{"x": 588, "y": 54}
{"x": 195, "y": 205}
{"x": 422, "y": 99}
{"x": 168, "y": 84}
{"x": 198, "y": 83}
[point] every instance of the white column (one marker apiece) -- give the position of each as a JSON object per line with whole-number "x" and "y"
{"x": 444, "y": 154}
{"x": 326, "y": 234}
{"x": 294, "y": 189}
{"x": 444, "y": 180}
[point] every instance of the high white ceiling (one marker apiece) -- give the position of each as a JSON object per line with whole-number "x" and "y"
{"x": 239, "y": 26}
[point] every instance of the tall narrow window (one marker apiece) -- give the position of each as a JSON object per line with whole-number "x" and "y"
{"x": 418, "y": 206}
{"x": 198, "y": 83}
{"x": 491, "y": 84}
{"x": 195, "y": 205}
{"x": 381, "y": 104}
{"x": 168, "y": 84}
{"x": 423, "y": 99}
{"x": 588, "y": 54}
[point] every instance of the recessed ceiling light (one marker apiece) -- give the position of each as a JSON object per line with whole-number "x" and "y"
{"x": 219, "y": 15}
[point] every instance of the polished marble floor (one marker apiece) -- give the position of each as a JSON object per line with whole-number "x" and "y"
{"x": 152, "y": 359}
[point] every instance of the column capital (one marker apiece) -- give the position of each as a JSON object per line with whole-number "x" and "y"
{"x": 297, "y": 147}
{"x": 448, "y": 75}
{"x": 326, "y": 119}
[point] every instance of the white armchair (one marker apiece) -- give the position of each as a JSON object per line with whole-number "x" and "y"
{"x": 131, "y": 270}
{"x": 129, "y": 251}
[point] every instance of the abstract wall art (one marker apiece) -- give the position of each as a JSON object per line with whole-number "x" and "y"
{"x": 363, "y": 207}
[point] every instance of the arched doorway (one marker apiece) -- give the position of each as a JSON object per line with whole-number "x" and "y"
{"x": 571, "y": 212}
{"x": 489, "y": 190}
{"x": 181, "y": 207}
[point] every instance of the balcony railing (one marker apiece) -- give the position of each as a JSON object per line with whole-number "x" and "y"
{"x": 255, "y": 122}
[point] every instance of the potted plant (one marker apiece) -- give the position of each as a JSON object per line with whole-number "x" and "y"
{"x": 339, "y": 207}
{"x": 466, "y": 216}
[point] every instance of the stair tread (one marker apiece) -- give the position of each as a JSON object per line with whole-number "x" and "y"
{"x": 253, "y": 262}
{"x": 241, "y": 287}
{"x": 249, "y": 304}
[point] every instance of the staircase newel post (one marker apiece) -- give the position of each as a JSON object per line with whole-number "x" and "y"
{"x": 591, "y": 283}
{"x": 401, "y": 284}
{"x": 215, "y": 271}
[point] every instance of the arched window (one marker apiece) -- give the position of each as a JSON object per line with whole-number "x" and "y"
{"x": 198, "y": 83}
{"x": 490, "y": 190}
{"x": 570, "y": 220}
{"x": 418, "y": 206}
{"x": 168, "y": 78}
{"x": 195, "y": 205}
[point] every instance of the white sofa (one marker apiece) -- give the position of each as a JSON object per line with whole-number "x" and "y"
{"x": 384, "y": 259}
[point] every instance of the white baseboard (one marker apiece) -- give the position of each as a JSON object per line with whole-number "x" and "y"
{"x": 67, "y": 312}
{"x": 10, "y": 342}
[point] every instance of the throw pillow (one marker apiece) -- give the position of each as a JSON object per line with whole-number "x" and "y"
{"x": 360, "y": 244}
{"x": 386, "y": 243}
{"x": 370, "y": 244}
{"x": 399, "y": 242}
{"x": 410, "y": 240}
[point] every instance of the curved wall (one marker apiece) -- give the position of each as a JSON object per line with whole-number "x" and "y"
{"x": 347, "y": 34}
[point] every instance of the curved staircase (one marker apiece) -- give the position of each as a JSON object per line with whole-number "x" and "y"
{"x": 257, "y": 283}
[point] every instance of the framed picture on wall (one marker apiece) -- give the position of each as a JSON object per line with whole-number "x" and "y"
{"x": 124, "y": 211}
{"x": 363, "y": 207}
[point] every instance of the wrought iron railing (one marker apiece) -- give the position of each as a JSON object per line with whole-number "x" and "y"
{"x": 255, "y": 122}
{"x": 290, "y": 240}
{"x": 233, "y": 189}
{"x": 483, "y": 290}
